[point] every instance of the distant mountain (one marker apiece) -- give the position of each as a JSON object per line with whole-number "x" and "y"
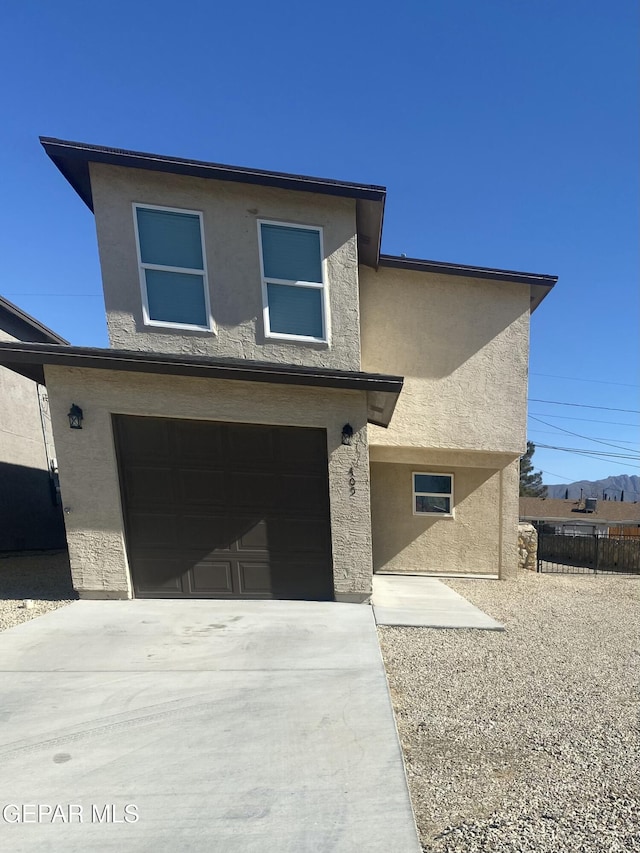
{"x": 614, "y": 487}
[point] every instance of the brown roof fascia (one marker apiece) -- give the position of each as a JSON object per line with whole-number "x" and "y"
{"x": 29, "y": 360}
{"x": 539, "y": 283}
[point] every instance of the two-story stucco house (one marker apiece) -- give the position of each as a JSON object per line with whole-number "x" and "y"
{"x": 282, "y": 410}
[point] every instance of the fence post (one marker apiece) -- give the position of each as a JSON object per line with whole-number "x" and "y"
{"x": 539, "y": 551}
{"x": 596, "y": 561}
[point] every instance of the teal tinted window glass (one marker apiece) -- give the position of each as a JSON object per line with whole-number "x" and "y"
{"x": 432, "y": 483}
{"x": 176, "y": 297}
{"x": 295, "y": 310}
{"x": 426, "y": 503}
{"x": 169, "y": 239}
{"x": 291, "y": 253}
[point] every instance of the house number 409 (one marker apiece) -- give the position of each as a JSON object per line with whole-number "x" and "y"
{"x": 352, "y": 482}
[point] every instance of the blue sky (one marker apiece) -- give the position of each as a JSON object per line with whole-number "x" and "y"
{"x": 506, "y": 134}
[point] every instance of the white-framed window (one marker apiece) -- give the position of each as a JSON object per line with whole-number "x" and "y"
{"x": 294, "y": 290}
{"x": 173, "y": 269}
{"x": 432, "y": 493}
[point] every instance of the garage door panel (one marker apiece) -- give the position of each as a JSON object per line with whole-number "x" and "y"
{"x": 225, "y": 510}
{"x": 199, "y": 441}
{"x": 149, "y": 485}
{"x": 154, "y": 530}
{"x": 255, "y": 536}
{"x": 298, "y": 536}
{"x": 250, "y": 446}
{"x": 303, "y": 450}
{"x": 212, "y": 577}
{"x": 253, "y": 490}
{"x": 254, "y": 578}
{"x": 146, "y": 438}
{"x": 202, "y": 486}
{"x": 305, "y": 494}
{"x": 300, "y": 579}
{"x": 157, "y": 574}
{"x": 223, "y": 532}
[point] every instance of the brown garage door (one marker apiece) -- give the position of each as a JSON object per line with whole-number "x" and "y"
{"x": 217, "y": 510}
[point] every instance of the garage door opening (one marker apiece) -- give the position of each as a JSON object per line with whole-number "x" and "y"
{"x": 225, "y": 510}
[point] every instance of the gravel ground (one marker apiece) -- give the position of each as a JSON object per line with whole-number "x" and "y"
{"x": 528, "y": 739}
{"x": 40, "y": 576}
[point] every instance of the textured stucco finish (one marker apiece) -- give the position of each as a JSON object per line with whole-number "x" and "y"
{"x": 462, "y": 346}
{"x": 29, "y": 519}
{"x": 470, "y": 542}
{"x": 230, "y": 213}
{"x": 89, "y": 476}
{"x": 21, "y": 435}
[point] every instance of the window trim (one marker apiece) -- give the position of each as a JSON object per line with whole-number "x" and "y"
{"x": 323, "y": 286}
{"x": 415, "y": 494}
{"x": 165, "y": 324}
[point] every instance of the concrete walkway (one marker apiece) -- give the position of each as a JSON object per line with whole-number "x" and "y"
{"x": 425, "y": 602}
{"x": 230, "y": 727}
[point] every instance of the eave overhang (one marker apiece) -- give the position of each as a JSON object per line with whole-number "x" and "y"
{"x": 29, "y": 360}
{"x": 539, "y": 284}
{"x": 73, "y": 159}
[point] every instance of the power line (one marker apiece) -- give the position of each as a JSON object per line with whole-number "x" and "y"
{"x": 551, "y": 474}
{"x": 548, "y": 432}
{"x": 608, "y": 460}
{"x": 577, "y": 435}
{"x": 586, "y": 420}
{"x": 579, "y": 379}
{"x": 585, "y": 406}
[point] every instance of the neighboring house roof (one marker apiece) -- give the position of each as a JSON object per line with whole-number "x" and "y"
{"x": 555, "y": 509}
{"x": 29, "y": 360}
{"x": 24, "y": 327}
{"x": 73, "y": 158}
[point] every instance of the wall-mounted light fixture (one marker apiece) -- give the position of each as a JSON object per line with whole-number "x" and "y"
{"x": 75, "y": 417}
{"x": 347, "y": 434}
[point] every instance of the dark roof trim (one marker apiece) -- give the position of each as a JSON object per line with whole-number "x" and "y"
{"x": 84, "y": 152}
{"x": 73, "y": 158}
{"x": 420, "y": 265}
{"x": 27, "y": 326}
{"x": 29, "y": 360}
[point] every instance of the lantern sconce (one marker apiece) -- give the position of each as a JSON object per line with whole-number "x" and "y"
{"x": 347, "y": 434}
{"x": 75, "y": 417}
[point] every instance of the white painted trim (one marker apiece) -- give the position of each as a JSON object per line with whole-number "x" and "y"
{"x": 324, "y": 286}
{"x": 415, "y": 494}
{"x": 146, "y": 319}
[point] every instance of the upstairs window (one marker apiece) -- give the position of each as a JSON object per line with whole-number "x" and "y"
{"x": 432, "y": 494}
{"x": 293, "y": 284}
{"x": 172, "y": 267}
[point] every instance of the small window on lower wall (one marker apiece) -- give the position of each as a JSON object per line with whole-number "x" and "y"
{"x": 432, "y": 494}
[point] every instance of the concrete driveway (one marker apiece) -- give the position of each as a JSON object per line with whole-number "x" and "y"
{"x": 199, "y": 726}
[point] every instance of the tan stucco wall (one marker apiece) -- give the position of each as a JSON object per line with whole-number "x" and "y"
{"x": 477, "y": 540}
{"x": 21, "y": 428}
{"x": 230, "y": 213}
{"x": 462, "y": 346}
{"x": 89, "y": 477}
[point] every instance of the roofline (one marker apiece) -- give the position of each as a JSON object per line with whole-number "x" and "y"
{"x": 30, "y": 321}
{"x": 588, "y": 518}
{"x": 443, "y": 267}
{"x": 202, "y": 168}
{"x": 29, "y": 359}
{"x": 73, "y": 158}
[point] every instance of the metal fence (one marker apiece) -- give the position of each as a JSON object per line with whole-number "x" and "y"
{"x": 590, "y": 554}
